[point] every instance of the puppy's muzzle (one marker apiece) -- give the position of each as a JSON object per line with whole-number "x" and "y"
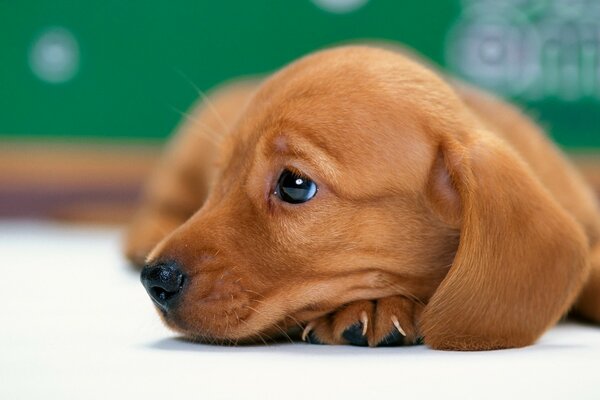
{"x": 164, "y": 283}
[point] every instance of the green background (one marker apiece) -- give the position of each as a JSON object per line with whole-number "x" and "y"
{"x": 137, "y": 58}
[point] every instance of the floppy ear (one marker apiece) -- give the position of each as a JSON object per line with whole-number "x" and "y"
{"x": 521, "y": 258}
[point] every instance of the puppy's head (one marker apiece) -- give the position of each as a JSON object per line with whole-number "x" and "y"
{"x": 329, "y": 189}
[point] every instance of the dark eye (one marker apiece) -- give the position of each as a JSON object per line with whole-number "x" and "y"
{"x": 293, "y": 188}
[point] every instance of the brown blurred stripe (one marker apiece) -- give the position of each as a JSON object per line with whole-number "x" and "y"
{"x": 90, "y": 182}
{"x": 102, "y": 182}
{"x": 41, "y": 201}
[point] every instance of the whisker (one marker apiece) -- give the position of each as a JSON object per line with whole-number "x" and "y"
{"x": 205, "y": 98}
{"x": 227, "y": 325}
{"x": 238, "y": 320}
{"x": 277, "y": 326}
{"x": 256, "y": 293}
{"x": 207, "y": 131}
{"x": 257, "y": 333}
{"x": 295, "y": 320}
{"x": 403, "y": 291}
{"x": 263, "y": 302}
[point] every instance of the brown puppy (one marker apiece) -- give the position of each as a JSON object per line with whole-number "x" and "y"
{"x": 357, "y": 194}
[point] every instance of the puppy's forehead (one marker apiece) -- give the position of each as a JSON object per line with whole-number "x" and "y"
{"x": 359, "y": 160}
{"x": 359, "y": 119}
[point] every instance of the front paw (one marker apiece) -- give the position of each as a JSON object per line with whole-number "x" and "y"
{"x": 384, "y": 322}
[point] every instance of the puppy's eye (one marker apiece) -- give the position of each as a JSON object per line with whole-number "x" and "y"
{"x": 293, "y": 188}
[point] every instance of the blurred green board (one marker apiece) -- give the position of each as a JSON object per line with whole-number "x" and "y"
{"x": 119, "y": 69}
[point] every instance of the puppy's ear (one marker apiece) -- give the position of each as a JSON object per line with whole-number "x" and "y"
{"x": 521, "y": 258}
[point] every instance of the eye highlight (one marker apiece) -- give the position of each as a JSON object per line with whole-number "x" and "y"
{"x": 294, "y": 188}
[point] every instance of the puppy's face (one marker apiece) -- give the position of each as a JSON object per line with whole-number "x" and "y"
{"x": 320, "y": 199}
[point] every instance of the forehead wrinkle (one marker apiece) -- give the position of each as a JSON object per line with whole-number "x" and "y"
{"x": 304, "y": 148}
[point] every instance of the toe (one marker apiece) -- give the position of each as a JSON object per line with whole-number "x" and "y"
{"x": 354, "y": 334}
{"x": 394, "y": 323}
{"x": 312, "y": 338}
{"x": 318, "y": 331}
{"x": 394, "y": 338}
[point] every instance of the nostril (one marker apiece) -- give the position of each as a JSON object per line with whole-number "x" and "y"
{"x": 163, "y": 283}
{"x": 161, "y": 294}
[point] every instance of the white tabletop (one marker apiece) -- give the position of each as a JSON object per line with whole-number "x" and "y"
{"x": 77, "y": 324}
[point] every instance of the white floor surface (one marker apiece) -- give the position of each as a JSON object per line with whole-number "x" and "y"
{"x": 76, "y": 324}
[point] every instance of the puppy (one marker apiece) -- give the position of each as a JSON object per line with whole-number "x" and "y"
{"x": 358, "y": 195}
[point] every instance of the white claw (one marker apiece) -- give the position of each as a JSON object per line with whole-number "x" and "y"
{"x": 397, "y": 325}
{"x": 365, "y": 321}
{"x": 307, "y": 330}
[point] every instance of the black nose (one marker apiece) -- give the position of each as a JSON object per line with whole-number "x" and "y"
{"x": 164, "y": 283}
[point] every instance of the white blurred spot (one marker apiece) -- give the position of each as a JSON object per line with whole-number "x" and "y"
{"x": 54, "y": 56}
{"x": 299, "y": 181}
{"x": 340, "y": 6}
{"x": 492, "y": 50}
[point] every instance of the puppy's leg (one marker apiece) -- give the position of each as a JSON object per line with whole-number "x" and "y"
{"x": 390, "y": 321}
{"x": 180, "y": 183}
{"x": 588, "y": 303}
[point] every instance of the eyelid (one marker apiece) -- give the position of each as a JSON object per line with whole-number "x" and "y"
{"x": 296, "y": 172}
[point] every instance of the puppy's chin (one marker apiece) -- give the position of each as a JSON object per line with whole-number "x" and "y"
{"x": 290, "y": 329}
{"x": 236, "y": 333}
{"x": 213, "y": 323}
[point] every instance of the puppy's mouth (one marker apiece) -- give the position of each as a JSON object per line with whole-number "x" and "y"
{"x": 238, "y": 315}
{"x": 240, "y": 325}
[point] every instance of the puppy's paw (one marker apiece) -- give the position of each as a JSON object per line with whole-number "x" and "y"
{"x": 385, "y": 322}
